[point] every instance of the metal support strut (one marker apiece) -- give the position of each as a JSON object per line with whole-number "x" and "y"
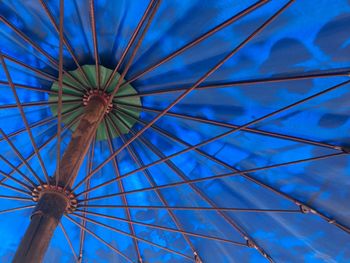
{"x": 53, "y": 202}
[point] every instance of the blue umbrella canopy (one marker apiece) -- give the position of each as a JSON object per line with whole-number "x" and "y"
{"x": 226, "y": 137}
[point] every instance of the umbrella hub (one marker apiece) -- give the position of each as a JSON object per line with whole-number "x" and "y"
{"x": 98, "y": 94}
{"x": 53, "y": 189}
{"x": 52, "y": 203}
{"x": 123, "y": 110}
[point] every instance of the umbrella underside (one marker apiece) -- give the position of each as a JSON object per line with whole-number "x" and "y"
{"x": 219, "y": 133}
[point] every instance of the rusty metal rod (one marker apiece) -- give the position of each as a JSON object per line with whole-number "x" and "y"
{"x": 68, "y": 241}
{"x": 194, "y": 208}
{"x": 148, "y": 175}
{"x": 201, "y": 193}
{"x": 38, "y": 103}
{"x": 15, "y": 179}
{"x": 24, "y": 118}
{"x": 200, "y": 39}
{"x": 229, "y": 125}
{"x": 60, "y": 91}
{"x": 26, "y": 178}
{"x": 130, "y": 235}
{"x": 208, "y": 178}
{"x": 16, "y": 209}
{"x": 17, "y": 198}
{"x": 294, "y": 77}
{"x": 133, "y": 53}
{"x": 121, "y": 188}
{"x": 94, "y": 37}
{"x": 163, "y": 228}
{"x": 42, "y": 122}
{"x": 36, "y": 89}
{"x": 99, "y": 238}
{"x": 16, "y": 189}
{"x": 65, "y": 41}
{"x": 39, "y": 49}
{"x": 130, "y": 43}
{"x": 40, "y": 73}
{"x": 20, "y": 156}
{"x": 69, "y": 125}
{"x": 90, "y": 159}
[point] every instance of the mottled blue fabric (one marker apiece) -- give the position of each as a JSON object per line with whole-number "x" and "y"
{"x": 308, "y": 37}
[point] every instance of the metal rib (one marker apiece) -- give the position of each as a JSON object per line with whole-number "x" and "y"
{"x": 98, "y": 238}
{"x": 42, "y": 122}
{"x": 205, "y": 197}
{"x": 65, "y": 42}
{"x": 36, "y": 89}
{"x": 68, "y": 241}
{"x": 208, "y": 178}
{"x": 94, "y": 37}
{"x": 19, "y": 155}
{"x": 90, "y": 158}
{"x": 130, "y": 235}
{"x": 246, "y": 175}
{"x": 26, "y": 178}
{"x": 15, "y": 179}
{"x": 16, "y": 189}
{"x": 232, "y": 126}
{"x": 121, "y": 188}
{"x": 69, "y": 125}
{"x": 165, "y": 228}
{"x": 130, "y": 43}
{"x": 194, "y": 208}
{"x": 200, "y": 39}
{"x": 16, "y": 209}
{"x": 17, "y": 198}
{"x": 133, "y": 53}
{"x": 294, "y": 77}
{"x": 44, "y": 75}
{"x": 147, "y": 174}
{"x": 38, "y": 103}
{"x": 60, "y": 91}
{"x": 39, "y": 49}
{"x": 24, "y": 118}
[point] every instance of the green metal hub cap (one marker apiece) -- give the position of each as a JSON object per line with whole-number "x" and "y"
{"x": 76, "y": 94}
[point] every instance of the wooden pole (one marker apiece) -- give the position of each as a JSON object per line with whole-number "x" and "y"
{"x": 52, "y": 204}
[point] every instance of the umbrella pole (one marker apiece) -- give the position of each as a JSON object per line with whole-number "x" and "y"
{"x": 54, "y": 200}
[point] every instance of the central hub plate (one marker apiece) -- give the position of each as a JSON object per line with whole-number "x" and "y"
{"x": 121, "y": 116}
{"x": 72, "y": 202}
{"x": 100, "y": 94}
